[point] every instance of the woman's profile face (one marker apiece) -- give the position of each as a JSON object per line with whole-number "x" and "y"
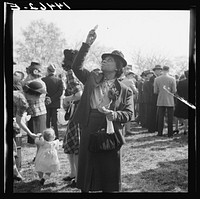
{"x": 108, "y": 64}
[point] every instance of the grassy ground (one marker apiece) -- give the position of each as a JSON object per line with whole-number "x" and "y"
{"x": 149, "y": 164}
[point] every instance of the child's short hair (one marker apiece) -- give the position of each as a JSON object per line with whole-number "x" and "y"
{"x": 49, "y": 134}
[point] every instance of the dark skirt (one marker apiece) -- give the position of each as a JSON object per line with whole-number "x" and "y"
{"x": 181, "y": 110}
{"x": 30, "y": 140}
{"x": 152, "y": 119}
{"x": 97, "y": 171}
{"x": 142, "y": 114}
{"x": 36, "y": 125}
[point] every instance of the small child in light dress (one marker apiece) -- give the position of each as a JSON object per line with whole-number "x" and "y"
{"x": 46, "y": 161}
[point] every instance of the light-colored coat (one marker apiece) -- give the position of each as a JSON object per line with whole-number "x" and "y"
{"x": 164, "y": 98}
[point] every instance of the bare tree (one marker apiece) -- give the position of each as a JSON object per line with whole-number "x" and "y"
{"x": 139, "y": 61}
{"x": 41, "y": 42}
{"x": 157, "y": 59}
{"x": 180, "y": 64}
{"x": 147, "y": 62}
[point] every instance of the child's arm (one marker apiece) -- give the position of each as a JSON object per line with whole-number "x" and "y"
{"x": 57, "y": 144}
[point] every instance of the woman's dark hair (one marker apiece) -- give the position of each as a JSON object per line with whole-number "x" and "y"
{"x": 119, "y": 65}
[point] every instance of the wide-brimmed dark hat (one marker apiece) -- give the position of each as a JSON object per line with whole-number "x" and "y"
{"x": 35, "y": 86}
{"x": 157, "y": 67}
{"x": 116, "y": 54}
{"x": 35, "y": 65}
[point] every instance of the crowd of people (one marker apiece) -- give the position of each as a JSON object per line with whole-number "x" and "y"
{"x": 105, "y": 100}
{"x": 154, "y": 107}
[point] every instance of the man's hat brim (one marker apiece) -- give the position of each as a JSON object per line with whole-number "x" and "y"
{"x": 157, "y": 68}
{"x": 115, "y": 56}
{"x": 130, "y": 72}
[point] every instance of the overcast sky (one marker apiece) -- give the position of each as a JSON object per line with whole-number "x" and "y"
{"x": 151, "y": 31}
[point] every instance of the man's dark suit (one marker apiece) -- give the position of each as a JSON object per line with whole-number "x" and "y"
{"x": 55, "y": 89}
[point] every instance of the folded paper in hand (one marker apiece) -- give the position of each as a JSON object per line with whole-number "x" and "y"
{"x": 110, "y": 127}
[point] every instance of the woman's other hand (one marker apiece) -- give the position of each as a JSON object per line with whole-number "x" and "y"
{"x": 110, "y": 115}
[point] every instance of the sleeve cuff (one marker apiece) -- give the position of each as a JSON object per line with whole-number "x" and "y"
{"x": 85, "y": 45}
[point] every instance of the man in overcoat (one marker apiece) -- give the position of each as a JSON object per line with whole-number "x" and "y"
{"x": 165, "y": 101}
{"x": 152, "y": 112}
{"x": 55, "y": 89}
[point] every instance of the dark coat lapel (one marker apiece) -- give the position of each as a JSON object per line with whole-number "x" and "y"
{"x": 82, "y": 113}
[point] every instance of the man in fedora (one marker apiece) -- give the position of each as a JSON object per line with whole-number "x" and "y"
{"x": 165, "y": 101}
{"x": 55, "y": 89}
{"x": 152, "y": 109}
{"x": 157, "y": 70}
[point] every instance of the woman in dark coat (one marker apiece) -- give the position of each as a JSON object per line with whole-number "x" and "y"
{"x": 101, "y": 171}
{"x": 181, "y": 109}
{"x": 147, "y": 98}
{"x": 152, "y": 108}
{"x": 140, "y": 100}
